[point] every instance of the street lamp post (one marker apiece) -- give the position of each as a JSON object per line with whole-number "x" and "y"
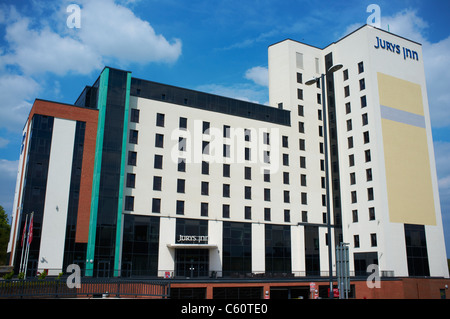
{"x": 330, "y": 71}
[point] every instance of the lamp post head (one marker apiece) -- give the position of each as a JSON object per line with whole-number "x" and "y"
{"x": 312, "y": 81}
{"x": 335, "y": 68}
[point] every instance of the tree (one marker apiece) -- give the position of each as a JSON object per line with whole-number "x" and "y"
{"x": 5, "y": 229}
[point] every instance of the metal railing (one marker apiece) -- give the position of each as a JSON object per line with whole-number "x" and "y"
{"x": 88, "y": 288}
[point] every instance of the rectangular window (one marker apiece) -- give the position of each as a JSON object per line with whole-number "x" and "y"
{"x": 134, "y": 115}
{"x": 352, "y": 178}
{"x": 345, "y": 72}
{"x": 129, "y": 203}
{"x": 355, "y": 215}
{"x": 370, "y": 195}
{"x": 157, "y": 183}
{"x": 226, "y": 211}
{"x": 366, "y": 137}
{"x": 286, "y": 178}
{"x": 368, "y": 174}
{"x": 226, "y": 190}
{"x": 132, "y": 158}
{"x": 303, "y": 179}
{"x": 248, "y": 212}
{"x": 160, "y": 119}
{"x": 350, "y": 142}
{"x": 356, "y": 241}
{"x": 301, "y": 127}
{"x": 304, "y": 198}
{"x": 304, "y": 216}
{"x": 204, "y": 209}
{"x": 267, "y": 214}
{"x": 133, "y": 139}
{"x": 182, "y": 144}
{"x": 182, "y": 165}
{"x": 299, "y": 60}
{"x": 365, "y": 119}
{"x": 287, "y": 216}
{"x": 205, "y": 168}
{"x": 299, "y": 78}
{"x": 363, "y": 101}
{"x": 226, "y": 150}
{"x": 183, "y": 123}
{"x": 158, "y": 161}
{"x": 371, "y": 213}
{"x": 301, "y": 110}
{"x": 159, "y": 140}
{"x": 349, "y": 125}
{"x": 373, "y": 240}
{"x": 267, "y": 194}
{"x": 361, "y": 67}
{"x": 284, "y": 141}
{"x": 205, "y": 127}
{"x": 285, "y": 159}
{"x": 226, "y": 131}
{"x": 247, "y": 134}
{"x": 346, "y": 91}
{"x": 181, "y": 183}
{"x": 351, "y": 160}
{"x": 131, "y": 180}
{"x": 247, "y": 154}
{"x": 354, "y": 199}
{"x": 226, "y": 170}
{"x": 180, "y": 207}
{"x": 156, "y": 205}
{"x": 286, "y": 197}
{"x": 205, "y": 188}
{"x": 362, "y": 84}
{"x": 248, "y": 192}
{"x": 266, "y": 175}
{"x": 205, "y": 147}
{"x": 302, "y": 162}
{"x": 300, "y": 94}
{"x": 302, "y": 144}
{"x": 266, "y": 138}
{"x": 367, "y": 155}
{"x": 248, "y": 173}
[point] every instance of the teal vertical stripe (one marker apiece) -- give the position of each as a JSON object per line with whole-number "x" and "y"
{"x": 101, "y": 106}
{"x": 117, "y": 257}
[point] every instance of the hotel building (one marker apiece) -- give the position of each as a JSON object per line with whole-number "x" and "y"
{"x": 142, "y": 179}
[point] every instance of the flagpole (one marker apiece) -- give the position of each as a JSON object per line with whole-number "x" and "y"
{"x": 23, "y": 235}
{"x": 30, "y": 232}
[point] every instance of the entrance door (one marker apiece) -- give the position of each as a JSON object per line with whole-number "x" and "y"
{"x": 192, "y": 263}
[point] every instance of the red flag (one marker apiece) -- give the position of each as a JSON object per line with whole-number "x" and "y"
{"x": 30, "y": 230}
{"x": 23, "y": 234}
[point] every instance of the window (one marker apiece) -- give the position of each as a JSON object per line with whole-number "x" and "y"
{"x": 304, "y": 216}
{"x": 373, "y": 240}
{"x": 319, "y": 115}
{"x": 363, "y": 101}
{"x": 351, "y": 160}
{"x": 362, "y": 84}
{"x": 321, "y": 130}
{"x": 356, "y": 241}
{"x": 366, "y": 137}
{"x": 267, "y": 194}
{"x": 134, "y": 116}
{"x": 226, "y": 211}
{"x": 301, "y": 110}
{"x": 266, "y": 138}
{"x": 354, "y": 199}
{"x": 368, "y": 174}
{"x": 345, "y": 74}
{"x": 355, "y": 215}
{"x": 205, "y": 188}
{"x": 346, "y": 91}
{"x": 247, "y": 154}
{"x": 299, "y": 78}
{"x": 301, "y": 143}
{"x": 360, "y": 67}
{"x": 129, "y": 203}
{"x": 365, "y": 119}
{"x": 350, "y": 142}
{"x": 302, "y": 162}
{"x": 180, "y": 207}
{"x": 159, "y": 140}
{"x": 370, "y": 193}
{"x": 299, "y": 60}
{"x": 266, "y": 175}
{"x": 266, "y": 157}
{"x": 226, "y": 150}
{"x": 157, "y": 183}
{"x": 248, "y": 173}
{"x": 321, "y": 148}
{"x": 286, "y": 159}
{"x": 182, "y": 165}
{"x": 181, "y": 183}
{"x": 182, "y": 144}
{"x": 205, "y": 127}
{"x": 159, "y": 119}
{"x": 156, "y": 205}
{"x": 303, "y": 179}
{"x": 286, "y": 178}
{"x": 280, "y": 105}
{"x": 287, "y": 215}
{"x": 300, "y": 94}
{"x": 131, "y": 180}
{"x": 158, "y": 161}
{"x": 248, "y": 192}
{"x": 304, "y": 198}
{"x": 205, "y": 147}
{"x": 267, "y": 214}
{"x": 247, "y": 135}
{"x": 132, "y": 157}
{"x": 371, "y": 213}
{"x": 226, "y": 131}
{"x": 205, "y": 168}
{"x": 284, "y": 141}
{"x": 349, "y": 125}
{"x": 133, "y": 137}
{"x": 204, "y": 209}
{"x": 348, "y": 108}
{"x": 367, "y": 155}
{"x": 301, "y": 127}
{"x": 352, "y": 179}
{"x": 248, "y": 212}
{"x": 226, "y": 170}
{"x": 286, "y": 196}
{"x": 319, "y": 99}
{"x": 183, "y": 123}
{"x": 226, "y": 190}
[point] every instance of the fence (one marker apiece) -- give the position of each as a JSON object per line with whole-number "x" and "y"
{"x": 90, "y": 288}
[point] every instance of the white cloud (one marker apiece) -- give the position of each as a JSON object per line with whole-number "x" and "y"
{"x": 259, "y": 75}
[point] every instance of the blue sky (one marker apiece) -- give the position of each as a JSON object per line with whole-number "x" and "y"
{"x": 218, "y": 46}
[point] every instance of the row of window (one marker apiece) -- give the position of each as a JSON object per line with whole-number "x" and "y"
{"x": 373, "y": 240}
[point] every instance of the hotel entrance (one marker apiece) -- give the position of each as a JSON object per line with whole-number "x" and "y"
{"x": 191, "y": 262}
